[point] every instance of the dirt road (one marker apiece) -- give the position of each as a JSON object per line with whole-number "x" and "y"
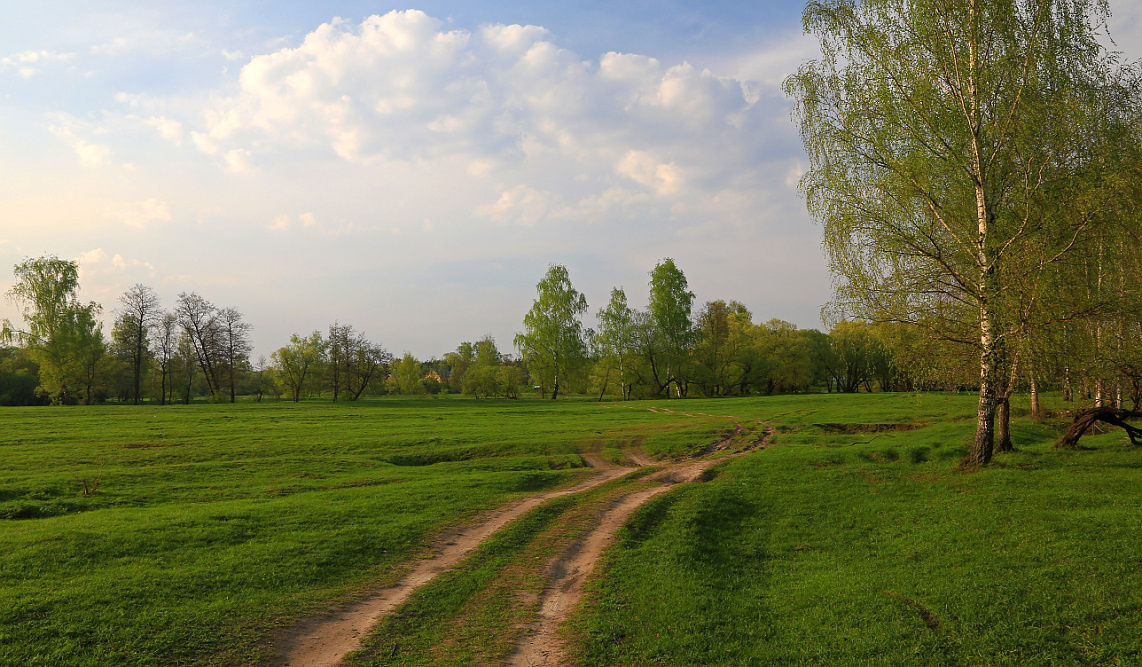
{"x": 325, "y": 640}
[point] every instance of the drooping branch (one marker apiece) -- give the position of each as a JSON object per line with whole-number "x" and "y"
{"x": 1084, "y": 419}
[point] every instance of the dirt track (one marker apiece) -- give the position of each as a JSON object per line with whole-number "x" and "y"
{"x": 326, "y": 639}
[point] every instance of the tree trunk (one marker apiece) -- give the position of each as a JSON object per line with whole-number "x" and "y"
{"x": 1068, "y": 391}
{"x": 1084, "y": 419}
{"x": 1003, "y": 425}
{"x": 1036, "y": 409}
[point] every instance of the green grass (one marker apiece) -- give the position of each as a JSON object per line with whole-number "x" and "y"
{"x": 210, "y": 525}
{"x": 849, "y": 540}
{"x": 836, "y": 548}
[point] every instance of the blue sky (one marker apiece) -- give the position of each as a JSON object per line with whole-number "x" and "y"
{"x": 410, "y": 171}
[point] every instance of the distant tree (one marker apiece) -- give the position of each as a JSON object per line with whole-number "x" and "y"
{"x": 199, "y": 318}
{"x": 140, "y": 312}
{"x": 337, "y": 348}
{"x": 670, "y": 332}
{"x": 234, "y": 343}
{"x": 714, "y": 358}
{"x": 188, "y": 363}
{"x": 19, "y": 378}
{"x": 855, "y": 349}
{"x": 407, "y": 375}
{"x": 119, "y": 375}
{"x": 61, "y": 334}
{"x": 164, "y": 347}
{"x": 615, "y": 340}
{"x": 353, "y": 361}
{"x": 296, "y": 361}
{"x": 553, "y": 345}
{"x": 458, "y": 363}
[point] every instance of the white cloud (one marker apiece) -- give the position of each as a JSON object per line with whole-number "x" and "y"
{"x": 148, "y": 41}
{"x": 522, "y": 205}
{"x": 168, "y": 129}
{"x": 140, "y": 214}
{"x": 663, "y": 178}
{"x": 27, "y": 63}
{"x": 69, "y": 129}
{"x": 93, "y": 256}
{"x": 238, "y": 161}
{"x": 403, "y": 87}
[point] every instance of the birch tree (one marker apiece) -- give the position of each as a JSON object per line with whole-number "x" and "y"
{"x": 553, "y": 345}
{"x": 939, "y": 134}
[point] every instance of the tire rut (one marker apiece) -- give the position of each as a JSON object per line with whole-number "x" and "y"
{"x": 569, "y": 571}
{"x": 326, "y": 639}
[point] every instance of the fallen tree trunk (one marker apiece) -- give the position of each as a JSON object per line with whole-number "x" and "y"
{"x": 1084, "y": 419}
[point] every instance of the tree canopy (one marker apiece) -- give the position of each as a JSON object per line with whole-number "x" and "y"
{"x": 946, "y": 139}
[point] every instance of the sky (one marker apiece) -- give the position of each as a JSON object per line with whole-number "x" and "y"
{"x": 411, "y": 171}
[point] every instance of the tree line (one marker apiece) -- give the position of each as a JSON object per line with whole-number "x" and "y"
{"x": 669, "y": 349}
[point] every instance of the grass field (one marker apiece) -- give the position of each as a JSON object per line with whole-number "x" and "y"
{"x": 212, "y": 525}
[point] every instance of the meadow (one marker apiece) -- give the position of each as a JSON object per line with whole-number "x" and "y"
{"x": 205, "y": 529}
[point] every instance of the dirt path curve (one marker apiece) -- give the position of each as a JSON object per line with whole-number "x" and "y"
{"x": 570, "y": 570}
{"x": 325, "y": 640}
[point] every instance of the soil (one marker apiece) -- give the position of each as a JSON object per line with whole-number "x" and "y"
{"x": 327, "y": 639}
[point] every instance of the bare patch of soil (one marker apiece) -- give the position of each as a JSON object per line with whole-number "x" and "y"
{"x": 867, "y": 428}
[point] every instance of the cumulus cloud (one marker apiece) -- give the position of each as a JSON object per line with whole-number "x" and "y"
{"x": 93, "y": 256}
{"x": 238, "y": 161}
{"x": 140, "y": 214}
{"x": 90, "y": 154}
{"x": 27, "y": 63}
{"x": 404, "y": 87}
{"x": 521, "y": 204}
{"x": 168, "y": 129}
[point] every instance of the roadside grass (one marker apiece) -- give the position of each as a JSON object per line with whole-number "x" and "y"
{"x": 835, "y": 547}
{"x": 211, "y": 525}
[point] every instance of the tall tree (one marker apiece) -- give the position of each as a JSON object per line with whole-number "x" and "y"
{"x": 353, "y": 361}
{"x": 671, "y": 333}
{"x": 552, "y": 344}
{"x": 406, "y": 372}
{"x": 935, "y": 130}
{"x": 199, "y": 318}
{"x": 165, "y": 348}
{"x": 234, "y": 343}
{"x": 615, "y": 339}
{"x": 61, "y": 333}
{"x": 295, "y": 362}
{"x": 140, "y": 311}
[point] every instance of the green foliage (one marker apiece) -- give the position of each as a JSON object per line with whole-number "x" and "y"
{"x": 62, "y": 335}
{"x": 667, "y": 331}
{"x": 553, "y": 344}
{"x": 297, "y": 363}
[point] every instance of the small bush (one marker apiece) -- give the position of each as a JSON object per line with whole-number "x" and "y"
{"x": 919, "y": 454}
